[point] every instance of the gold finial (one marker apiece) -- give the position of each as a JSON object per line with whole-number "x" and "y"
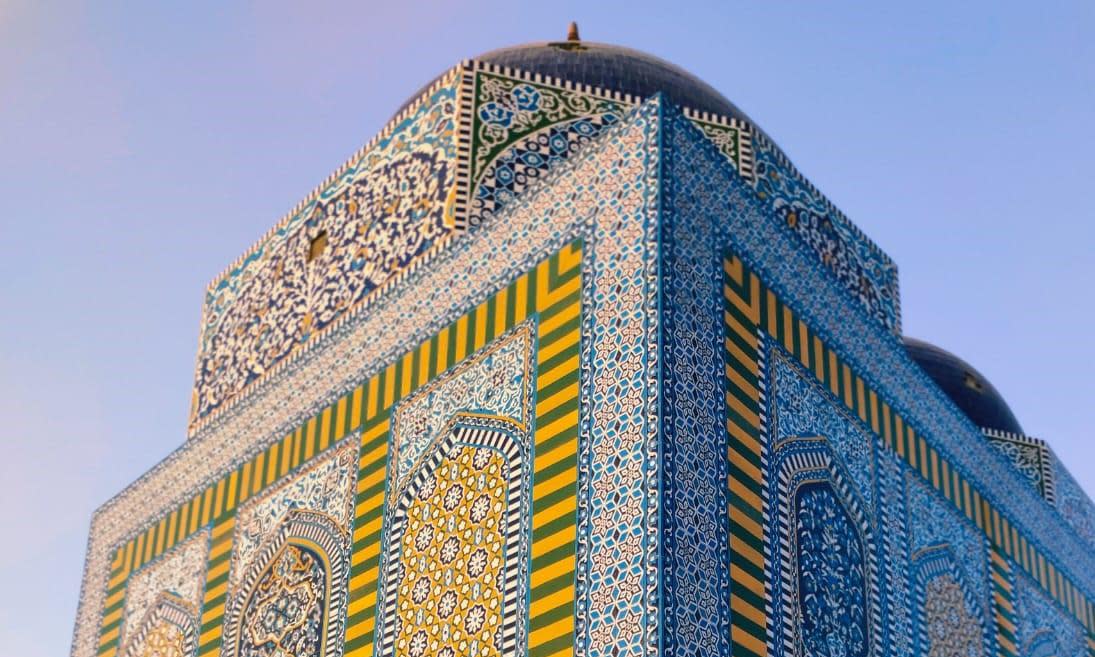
{"x": 572, "y": 32}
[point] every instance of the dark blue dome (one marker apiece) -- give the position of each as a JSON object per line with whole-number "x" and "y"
{"x": 613, "y": 68}
{"x": 967, "y": 388}
{"x": 616, "y": 69}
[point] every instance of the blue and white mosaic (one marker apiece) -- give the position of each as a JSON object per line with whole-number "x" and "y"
{"x": 857, "y": 553}
{"x": 1044, "y": 628}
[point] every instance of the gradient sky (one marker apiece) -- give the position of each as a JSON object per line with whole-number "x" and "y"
{"x": 142, "y": 148}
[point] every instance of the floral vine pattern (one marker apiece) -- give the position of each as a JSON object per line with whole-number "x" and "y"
{"x": 731, "y": 142}
{"x": 508, "y": 109}
{"x": 286, "y": 614}
{"x": 832, "y": 585}
{"x": 1030, "y": 457}
{"x": 869, "y": 275}
{"x": 324, "y": 486}
{"x": 292, "y": 600}
{"x": 828, "y": 574}
{"x": 381, "y": 215}
{"x": 529, "y": 159}
{"x": 648, "y": 528}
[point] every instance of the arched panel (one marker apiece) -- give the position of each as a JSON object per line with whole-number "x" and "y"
{"x": 456, "y": 548}
{"x": 286, "y": 611}
{"x": 1042, "y": 644}
{"x": 169, "y": 629}
{"x": 831, "y": 574}
{"x": 827, "y": 566}
{"x": 293, "y": 598}
{"x": 949, "y": 623}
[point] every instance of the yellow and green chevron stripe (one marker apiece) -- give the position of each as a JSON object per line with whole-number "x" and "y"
{"x": 1003, "y": 602}
{"x": 748, "y": 594}
{"x": 550, "y": 291}
{"x": 750, "y": 307}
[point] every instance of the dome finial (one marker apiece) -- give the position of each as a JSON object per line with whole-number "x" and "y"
{"x": 572, "y": 32}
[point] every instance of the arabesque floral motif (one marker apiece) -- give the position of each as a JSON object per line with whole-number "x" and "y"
{"x": 419, "y": 419}
{"x": 285, "y": 613}
{"x": 1044, "y": 625}
{"x": 180, "y": 572}
{"x": 1025, "y": 456}
{"x": 384, "y": 212}
{"x": 832, "y": 581}
{"x": 509, "y": 109}
{"x": 325, "y": 485}
{"x": 869, "y": 275}
{"x": 529, "y": 159}
{"x": 613, "y": 199}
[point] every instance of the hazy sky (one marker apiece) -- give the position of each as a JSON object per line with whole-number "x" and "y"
{"x": 142, "y": 148}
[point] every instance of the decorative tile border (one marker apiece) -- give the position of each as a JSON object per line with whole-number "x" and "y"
{"x": 499, "y": 114}
{"x": 751, "y": 308}
{"x": 750, "y": 592}
{"x": 623, "y": 268}
{"x": 382, "y": 216}
{"x": 1003, "y": 596}
{"x": 1031, "y": 457}
{"x": 728, "y": 209}
{"x": 550, "y": 293}
{"x": 619, "y": 239}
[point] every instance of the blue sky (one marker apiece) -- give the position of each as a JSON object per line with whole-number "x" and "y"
{"x": 142, "y": 148}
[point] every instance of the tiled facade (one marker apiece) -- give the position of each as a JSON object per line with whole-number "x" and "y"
{"x": 547, "y": 370}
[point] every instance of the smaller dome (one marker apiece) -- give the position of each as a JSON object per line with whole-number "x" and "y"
{"x": 970, "y": 391}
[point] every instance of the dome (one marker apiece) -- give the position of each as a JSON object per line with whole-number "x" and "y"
{"x": 970, "y": 391}
{"x": 617, "y": 69}
{"x": 613, "y": 68}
